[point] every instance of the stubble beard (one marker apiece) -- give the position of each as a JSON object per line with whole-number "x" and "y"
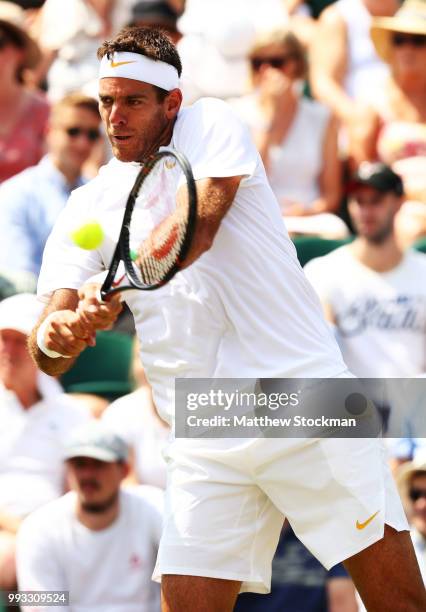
{"x": 100, "y": 507}
{"x": 154, "y": 136}
{"x": 381, "y": 236}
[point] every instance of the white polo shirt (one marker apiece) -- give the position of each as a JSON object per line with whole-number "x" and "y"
{"x": 31, "y": 446}
{"x": 244, "y": 308}
{"x": 132, "y": 418}
{"x": 104, "y": 571}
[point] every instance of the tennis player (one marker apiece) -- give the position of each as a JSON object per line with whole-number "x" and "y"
{"x": 240, "y": 308}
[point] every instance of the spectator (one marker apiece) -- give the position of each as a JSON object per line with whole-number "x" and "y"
{"x": 31, "y": 201}
{"x": 344, "y": 65}
{"x": 300, "y": 582}
{"x": 287, "y": 128}
{"x": 221, "y": 33}
{"x": 370, "y": 289}
{"x": 408, "y": 423}
{"x": 35, "y": 417}
{"x": 400, "y": 140}
{"x": 99, "y": 541}
{"x": 24, "y": 112}
{"x": 157, "y": 15}
{"x": 70, "y": 34}
{"x": 411, "y": 478}
{"x": 135, "y": 418}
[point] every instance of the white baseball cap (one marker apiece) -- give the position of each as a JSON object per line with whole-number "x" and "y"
{"x": 96, "y": 441}
{"x": 20, "y": 312}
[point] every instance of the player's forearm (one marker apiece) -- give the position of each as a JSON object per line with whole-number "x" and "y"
{"x": 160, "y": 239}
{"x": 65, "y": 333}
{"x": 48, "y": 365}
{"x": 215, "y": 196}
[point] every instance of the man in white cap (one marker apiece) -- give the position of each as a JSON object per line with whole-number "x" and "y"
{"x": 99, "y": 541}
{"x": 239, "y": 307}
{"x": 35, "y": 417}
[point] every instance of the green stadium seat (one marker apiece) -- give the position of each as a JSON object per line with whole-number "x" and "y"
{"x": 309, "y": 247}
{"x": 104, "y": 369}
{"x": 420, "y": 245}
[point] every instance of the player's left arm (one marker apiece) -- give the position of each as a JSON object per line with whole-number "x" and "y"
{"x": 215, "y": 197}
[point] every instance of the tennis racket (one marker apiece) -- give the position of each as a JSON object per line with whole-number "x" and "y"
{"x": 157, "y": 228}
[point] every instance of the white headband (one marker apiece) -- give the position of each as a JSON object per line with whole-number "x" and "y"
{"x": 140, "y": 68}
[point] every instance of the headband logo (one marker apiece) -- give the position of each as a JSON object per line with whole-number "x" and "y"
{"x": 170, "y": 164}
{"x": 117, "y": 64}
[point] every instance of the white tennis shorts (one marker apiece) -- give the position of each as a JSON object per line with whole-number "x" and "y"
{"x": 226, "y": 501}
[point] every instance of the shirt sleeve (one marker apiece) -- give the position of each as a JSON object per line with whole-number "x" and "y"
{"x": 37, "y": 566}
{"x": 215, "y": 141}
{"x": 65, "y": 265}
{"x": 16, "y": 244}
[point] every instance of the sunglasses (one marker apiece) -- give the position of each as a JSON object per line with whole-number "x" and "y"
{"x": 416, "y": 494}
{"x": 91, "y": 133}
{"x": 416, "y": 40}
{"x": 274, "y": 62}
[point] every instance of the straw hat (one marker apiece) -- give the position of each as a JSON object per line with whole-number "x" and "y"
{"x": 12, "y": 19}
{"x": 406, "y": 470}
{"x": 410, "y": 19}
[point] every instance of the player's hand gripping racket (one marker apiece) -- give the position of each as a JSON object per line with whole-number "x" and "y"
{"x": 157, "y": 228}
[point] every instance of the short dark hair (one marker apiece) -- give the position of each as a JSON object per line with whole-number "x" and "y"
{"x": 151, "y": 42}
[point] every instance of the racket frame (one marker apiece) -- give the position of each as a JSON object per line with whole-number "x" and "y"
{"x": 122, "y": 252}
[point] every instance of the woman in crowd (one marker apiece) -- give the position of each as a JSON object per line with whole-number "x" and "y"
{"x": 24, "y": 112}
{"x": 399, "y": 138}
{"x": 296, "y": 137}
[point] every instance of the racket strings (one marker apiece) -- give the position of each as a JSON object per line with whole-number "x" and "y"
{"x": 157, "y": 230}
{"x": 156, "y": 208}
{"x": 158, "y": 256}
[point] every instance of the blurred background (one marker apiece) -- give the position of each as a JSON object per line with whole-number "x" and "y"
{"x": 334, "y": 94}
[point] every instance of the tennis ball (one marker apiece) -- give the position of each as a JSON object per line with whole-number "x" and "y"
{"x": 88, "y": 236}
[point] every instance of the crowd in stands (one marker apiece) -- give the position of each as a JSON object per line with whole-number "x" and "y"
{"x": 334, "y": 95}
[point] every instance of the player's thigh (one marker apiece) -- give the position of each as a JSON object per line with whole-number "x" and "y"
{"x": 183, "y": 593}
{"x": 218, "y": 524}
{"x": 376, "y": 572}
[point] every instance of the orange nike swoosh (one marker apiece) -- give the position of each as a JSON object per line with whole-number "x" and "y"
{"x": 367, "y": 522}
{"x": 117, "y": 64}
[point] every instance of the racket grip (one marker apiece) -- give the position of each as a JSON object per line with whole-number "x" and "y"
{"x": 101, "y": 295}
